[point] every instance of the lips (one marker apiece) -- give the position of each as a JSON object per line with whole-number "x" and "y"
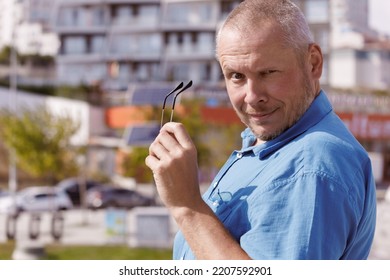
{"x": 258, "y": 116}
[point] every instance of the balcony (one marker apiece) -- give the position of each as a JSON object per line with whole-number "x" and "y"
{"x": 176, "y": 52}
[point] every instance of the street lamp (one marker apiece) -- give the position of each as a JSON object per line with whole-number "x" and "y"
{"x": 12, "y": 105}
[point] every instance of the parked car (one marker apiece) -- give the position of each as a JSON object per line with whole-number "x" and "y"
{"x": 71, "y": 187}
{"x": 35, "y": 199}
{"x": 6, "y": 204}
{"x": 108, "y": 196}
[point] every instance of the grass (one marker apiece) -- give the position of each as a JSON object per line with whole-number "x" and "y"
{"x": 114, "y": 252}
{"x": 6, "y": 250}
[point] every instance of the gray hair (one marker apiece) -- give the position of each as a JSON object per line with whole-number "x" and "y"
{"x": 249, "y": 14}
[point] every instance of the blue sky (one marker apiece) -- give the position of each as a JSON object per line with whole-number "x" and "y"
{"x": 380, "y": 15}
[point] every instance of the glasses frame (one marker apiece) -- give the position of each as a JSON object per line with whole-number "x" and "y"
{"x": 180, "y": 86}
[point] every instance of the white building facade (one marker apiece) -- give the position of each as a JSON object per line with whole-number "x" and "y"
{"x": 90, "y": 118}
{"x": 26, "y": 24}
{"x": 367, "y": 68}
{"x": 120, "y": 42}
{"x": 350, "y": 23}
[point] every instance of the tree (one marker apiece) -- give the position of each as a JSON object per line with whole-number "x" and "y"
{"x": 41, "y": 142}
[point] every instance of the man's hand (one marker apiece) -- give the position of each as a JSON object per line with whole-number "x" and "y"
{"x": 173, "y": 160}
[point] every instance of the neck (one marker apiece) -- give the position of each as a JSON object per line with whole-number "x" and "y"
{"x": 258, "y": 142}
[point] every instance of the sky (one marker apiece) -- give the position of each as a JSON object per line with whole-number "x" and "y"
{"x": 380, "y": 15}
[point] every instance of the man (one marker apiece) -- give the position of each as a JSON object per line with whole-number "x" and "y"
{"x": 301, "y": 187}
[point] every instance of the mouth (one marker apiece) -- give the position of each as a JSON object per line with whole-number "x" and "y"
{"x": 260, "y": 116}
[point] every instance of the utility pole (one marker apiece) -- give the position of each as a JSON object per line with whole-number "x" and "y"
{"x": 12, "y": 101}
{"x": 12, "y": 106}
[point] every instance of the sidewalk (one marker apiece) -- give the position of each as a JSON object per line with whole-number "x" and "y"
{"x": 89, "y": 228}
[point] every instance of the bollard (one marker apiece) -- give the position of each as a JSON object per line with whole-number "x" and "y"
{"x": 34, "y": 226}
{"x": 28, "y": 251}
{"x": 10, "y": 226}
{"x": 57, "y": 225}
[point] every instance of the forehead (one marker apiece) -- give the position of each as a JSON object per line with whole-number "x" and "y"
{"x": 262, "y": 45}
{"x": 265, "y": 35}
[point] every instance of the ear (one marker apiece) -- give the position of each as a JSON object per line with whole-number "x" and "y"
{"x": 315, "y": 61}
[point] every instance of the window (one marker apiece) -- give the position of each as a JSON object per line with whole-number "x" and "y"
{"x": 75, "y": 45}
{"x": 148, "y": 15}
{"x": 98, "y": 16}
{"x": 322, "y": 38}
{"x": 150, "y": 43}
{"x": 205, "y": 42}
{"x": 205, "y": 72}
{"x": 121, "y": 44}
{"x": 124, "y": 14}
{"x": 317, "y": 11}
{"x": 97, "y": 44}
{"x": 68, "y": 17}
{"x": 189, "y": 13}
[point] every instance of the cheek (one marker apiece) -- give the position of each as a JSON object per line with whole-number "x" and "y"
{"x": 236, "y": 97}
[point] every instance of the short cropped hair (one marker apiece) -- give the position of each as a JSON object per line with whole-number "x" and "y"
{"x": 250, "y": 14}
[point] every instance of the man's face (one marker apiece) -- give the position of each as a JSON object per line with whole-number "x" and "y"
{"x": 267, "y": 85}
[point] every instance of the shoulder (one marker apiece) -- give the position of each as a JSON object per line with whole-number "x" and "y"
{"x": 331, "y": 148}
{"x": 326, "y": 152}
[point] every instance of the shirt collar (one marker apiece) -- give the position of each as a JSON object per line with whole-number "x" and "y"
{"x": 316, "y": 112}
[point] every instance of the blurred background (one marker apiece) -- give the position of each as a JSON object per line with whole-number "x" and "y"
{"x": 82, "y": 83}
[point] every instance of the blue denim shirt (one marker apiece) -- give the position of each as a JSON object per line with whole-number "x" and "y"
{"x": 308, "y": 194}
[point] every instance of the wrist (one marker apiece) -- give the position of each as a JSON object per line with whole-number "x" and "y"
{"x": 184, "y": 214}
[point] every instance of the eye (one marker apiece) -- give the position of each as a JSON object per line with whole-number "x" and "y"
{"x": 237, "y": 76}
{"x": 268, "y": 72}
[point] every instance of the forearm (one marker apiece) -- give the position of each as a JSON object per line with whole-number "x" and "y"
{"x": 173, "y": 160}
{"x": 206, "y": 235}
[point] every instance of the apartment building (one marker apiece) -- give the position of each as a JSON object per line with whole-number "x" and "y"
{"x": 26, "y": 24}
{"x": 122, "y": 42}
{"x": 10, "y": 14}
{"x": 318, "y": 16}
{"x": 350, "y": 23}
{"x": 366, "y": 68}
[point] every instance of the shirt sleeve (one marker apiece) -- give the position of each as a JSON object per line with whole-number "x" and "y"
{"x": 305, "y": 217}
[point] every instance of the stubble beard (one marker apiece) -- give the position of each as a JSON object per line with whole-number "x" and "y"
{"x": 299, "y": 108}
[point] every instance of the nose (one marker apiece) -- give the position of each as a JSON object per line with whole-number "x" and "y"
{"x": 255, "y": 92}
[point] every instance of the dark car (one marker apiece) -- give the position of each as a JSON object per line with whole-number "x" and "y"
{"x": 72, "y": 188}
{"x": 108, "y": 196}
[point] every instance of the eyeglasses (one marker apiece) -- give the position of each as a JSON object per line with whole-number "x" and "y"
{"x": 180, "y": 86}
{"x": 219, "y": 198}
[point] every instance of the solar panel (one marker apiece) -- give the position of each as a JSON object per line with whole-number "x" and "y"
{"x": 150, "y": 95}
{"x": 141, "y": 135}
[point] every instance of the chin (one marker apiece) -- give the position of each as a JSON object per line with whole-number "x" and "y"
{"x": 265, "y": 135}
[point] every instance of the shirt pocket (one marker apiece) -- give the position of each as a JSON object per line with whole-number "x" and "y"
{"x": 223, "y": 211}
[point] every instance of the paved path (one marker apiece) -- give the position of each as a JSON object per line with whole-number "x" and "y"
{"x": 88, "y": 227}
{"x": 91, "y": 227}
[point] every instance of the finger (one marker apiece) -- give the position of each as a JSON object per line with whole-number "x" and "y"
{"x": 158, "y": 150}
{"x": 151, "y": 162}
{"x": 169, "y": 142}
{"x": 179, "y": 133}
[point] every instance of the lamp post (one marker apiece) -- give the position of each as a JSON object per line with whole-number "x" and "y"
{"x": 12, "y": 105}
{"x": 12, "y": 181}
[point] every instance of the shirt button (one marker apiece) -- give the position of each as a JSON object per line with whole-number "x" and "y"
{"x": 239, "y": 155}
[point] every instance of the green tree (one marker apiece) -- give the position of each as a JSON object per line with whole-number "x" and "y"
{"x": 41, "y": 142}
{"x": 5, "y": 54}
{"x": 134, "y": 165}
